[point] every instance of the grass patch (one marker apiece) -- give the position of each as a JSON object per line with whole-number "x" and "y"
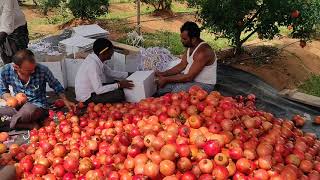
{"x": 120, "y": 1}
{"x": 182, "y": 8}
{"x": 38, "y": 21}
{"x": 58, "y": 17}
{"x": 285, "y": 31}
{"x": 316, "y": 35}
{"x": 166, "y": 39}
{"x": 112, "y": 14}
{"x": 311, "y": 86}
{"x": 145, "y": 9}
{"x": 117, "y": 26}
{"x": 33, "y": 32}
{"x": 216, "y": 43}
{"x": 171, "y": 41}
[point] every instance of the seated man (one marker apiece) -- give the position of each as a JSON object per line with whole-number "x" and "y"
{"x": 28, "y": 77}
{"x": 197, "y": 67}
{"x": 95, "y": 80}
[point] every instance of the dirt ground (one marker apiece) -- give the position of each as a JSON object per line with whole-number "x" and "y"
{"x": 150, "y": 23}
{"x": 289, "y": 69}
{"x": 32, "y": 13}
{"x": 167, "y": 23}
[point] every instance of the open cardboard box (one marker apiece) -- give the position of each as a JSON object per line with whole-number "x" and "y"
{"x": 72, "y": 66}
{"x": 57, "y": 66}
{"x": 128, "y": 58}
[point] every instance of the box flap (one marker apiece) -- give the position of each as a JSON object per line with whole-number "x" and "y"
{"x": 140, "y": 76}
{"x": 89, "y": 30}
{"x": 78, "y": 41}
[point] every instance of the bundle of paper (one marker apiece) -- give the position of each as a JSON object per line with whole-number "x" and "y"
{"x": 45, "y": 51}
{"x": 76, "y": 44}
{"x": 90, "y": 31}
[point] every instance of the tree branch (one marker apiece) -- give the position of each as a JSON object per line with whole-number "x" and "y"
{"x": 252, "y": 18}
{"x": 246, "y": 38}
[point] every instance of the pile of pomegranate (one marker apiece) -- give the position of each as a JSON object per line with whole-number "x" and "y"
{"x": 179, "y": 136}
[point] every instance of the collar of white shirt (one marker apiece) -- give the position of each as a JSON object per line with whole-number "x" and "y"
{"x": 96, "y": 59}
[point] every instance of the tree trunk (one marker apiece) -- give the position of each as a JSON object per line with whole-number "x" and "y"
{"x": 238, "y": 49}
{"x": 45, "y": 11}
{"x": 162, "y": 4}
{"x": 238, "y": 43}
{"x": 155, "y": 7}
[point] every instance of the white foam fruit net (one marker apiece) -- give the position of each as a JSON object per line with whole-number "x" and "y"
{"x": 155, "y": 58}
{"x": 44, "y": 47}
{"x": 134, "y": 39}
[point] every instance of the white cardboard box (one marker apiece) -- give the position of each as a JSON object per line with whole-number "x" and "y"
{"x": 58, "y": 69}
{"x": 125, "y": 63}
{"x": 144, "y": 86}
{"x": 132, "y": 62}
{"x": 117, "y": 63}
{"x": 72, "y": 66}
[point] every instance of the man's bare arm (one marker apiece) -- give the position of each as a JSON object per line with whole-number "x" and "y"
{"x": 70, "y": 105}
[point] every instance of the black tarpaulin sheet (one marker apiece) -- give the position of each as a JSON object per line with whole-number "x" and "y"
{"x": 233, "y": 82}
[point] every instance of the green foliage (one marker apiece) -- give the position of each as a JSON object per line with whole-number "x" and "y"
{"x": 120, "y": 1}
{"x": 233, "y": 18}
{"x": 46, "y": 5}
{"x": 88, "y": 8}
{"x": 159, "y": 5}
{"x": 61, "y": 18}
{"x": 63, "y": 14}
{"x": 311, "y": 86}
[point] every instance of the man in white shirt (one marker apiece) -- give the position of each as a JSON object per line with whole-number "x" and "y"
{"x": 95, "y": 81}
{"x": 13, "y": 30}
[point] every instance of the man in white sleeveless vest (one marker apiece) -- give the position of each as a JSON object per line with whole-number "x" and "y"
{"x": 198, "y": 65}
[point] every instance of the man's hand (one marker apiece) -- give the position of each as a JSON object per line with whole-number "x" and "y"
{"x": 161, "y": 81}
{"x": 126, "y": 84}
{"x": 3, "y": 37}
{"x": 70, "y": 105}
{"x": 6, "y": 96}
{"x": 158, "y": 73}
